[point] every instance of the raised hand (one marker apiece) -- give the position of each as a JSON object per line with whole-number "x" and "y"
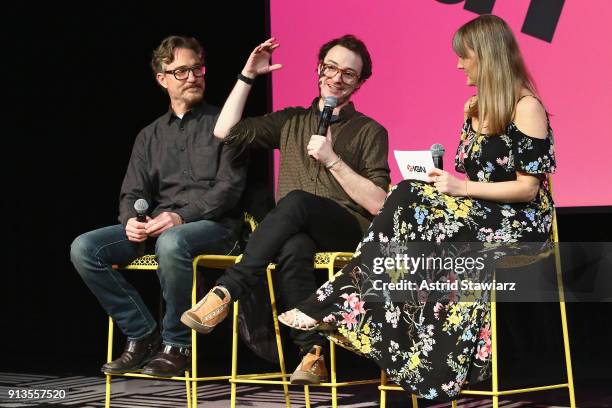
{"x": 259, "y": 60}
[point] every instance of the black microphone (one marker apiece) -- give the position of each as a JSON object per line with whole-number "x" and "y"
{"x": 328, "y": 107}
{"x": 437, "y": 152}
{"x": 141, "y": 206}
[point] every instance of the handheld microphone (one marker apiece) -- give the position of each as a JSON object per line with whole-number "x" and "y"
{"x": 141, "y": 206}
{"x": 437, "y": 152}
{"x": 328, "y": 107}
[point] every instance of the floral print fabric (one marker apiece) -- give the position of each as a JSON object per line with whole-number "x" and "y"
{"x": 433, "y": 346}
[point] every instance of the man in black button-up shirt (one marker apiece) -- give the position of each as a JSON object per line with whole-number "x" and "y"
{"x": 192, "y": 183}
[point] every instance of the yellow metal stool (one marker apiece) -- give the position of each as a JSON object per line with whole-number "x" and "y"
{"x": 495, "y": 392}
{"x": 329, "y": 261}
{"x": 148, "y": 263}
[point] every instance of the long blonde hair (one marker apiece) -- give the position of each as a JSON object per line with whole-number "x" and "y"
{"x": 501, "y": 70}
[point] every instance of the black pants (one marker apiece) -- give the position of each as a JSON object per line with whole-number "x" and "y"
{"x": 300, "y": 225}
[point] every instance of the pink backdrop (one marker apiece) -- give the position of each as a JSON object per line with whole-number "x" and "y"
{"x": 417, "y": 93}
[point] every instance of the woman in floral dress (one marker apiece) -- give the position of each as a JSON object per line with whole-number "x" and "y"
{"x": 434, "y": 343}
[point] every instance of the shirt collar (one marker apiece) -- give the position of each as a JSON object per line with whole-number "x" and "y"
{"x": 197, "y": 110}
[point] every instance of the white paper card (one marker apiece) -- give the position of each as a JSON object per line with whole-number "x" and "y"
{"x": 414, "y": 164}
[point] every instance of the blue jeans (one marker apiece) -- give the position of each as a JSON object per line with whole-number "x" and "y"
{"x": 94, "y": 253}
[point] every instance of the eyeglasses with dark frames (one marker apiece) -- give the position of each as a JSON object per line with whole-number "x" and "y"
{"x": 182, "y": 73}
{"x": 348, "y": 76}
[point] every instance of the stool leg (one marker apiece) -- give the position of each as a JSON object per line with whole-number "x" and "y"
{"x": 109, "y": 358}
{"x": 559, "y": 271}
{"x": 332, "y": 347}
{"x": 566, "y": 343}
{"x": 234, "y": 354}
{"x": 194, "y": 340}
{"x": 332, "y": 369}
{"x": 454, "y": 404}
{"x": 415, "y": 401}
{"x": 279, "y": 342}
{"x": 307, "y": 396}
{"x": 568, "y": 358}
{"x": 494, "y": 379}
{"x": 188, "y": 388}
{"x": 194, "y": 371}
{"x": 383, "y": 393}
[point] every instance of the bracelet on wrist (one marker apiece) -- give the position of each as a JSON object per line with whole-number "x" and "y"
{"x": 245, "y": 79}
{"x": 332, "y": 164}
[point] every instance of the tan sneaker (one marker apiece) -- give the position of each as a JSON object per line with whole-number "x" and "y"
{"x": 209, "y": 311}
{"x": 311, "y": 370}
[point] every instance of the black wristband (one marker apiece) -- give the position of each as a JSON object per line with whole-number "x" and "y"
{"x": 245, "y": 79}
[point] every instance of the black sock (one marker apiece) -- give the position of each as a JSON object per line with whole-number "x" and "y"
{"x": 311, "y": 350}
{"x": 219, "y": 293}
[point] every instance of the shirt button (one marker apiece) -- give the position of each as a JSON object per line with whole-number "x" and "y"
{"x": 182, "y": 149}
{"x": 184, "y": 171}
{"x": 182, "y": 128}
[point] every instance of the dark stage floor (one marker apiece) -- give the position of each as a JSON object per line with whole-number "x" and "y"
{"x": 88, "y": 392}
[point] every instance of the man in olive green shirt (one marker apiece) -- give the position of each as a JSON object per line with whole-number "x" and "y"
{"x": 330, "y": 187}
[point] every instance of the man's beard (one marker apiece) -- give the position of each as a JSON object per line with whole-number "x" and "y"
{"x": 191, "y": 98}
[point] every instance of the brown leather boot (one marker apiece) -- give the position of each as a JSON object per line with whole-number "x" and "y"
{"x": 209, "y": 311}
{"x": 311, "y": 370}
{"x": 136, "y": 354}
{"x": 171, "y": 361}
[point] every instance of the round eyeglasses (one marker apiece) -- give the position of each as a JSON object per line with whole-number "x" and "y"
{"x": 348, "y": 76}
